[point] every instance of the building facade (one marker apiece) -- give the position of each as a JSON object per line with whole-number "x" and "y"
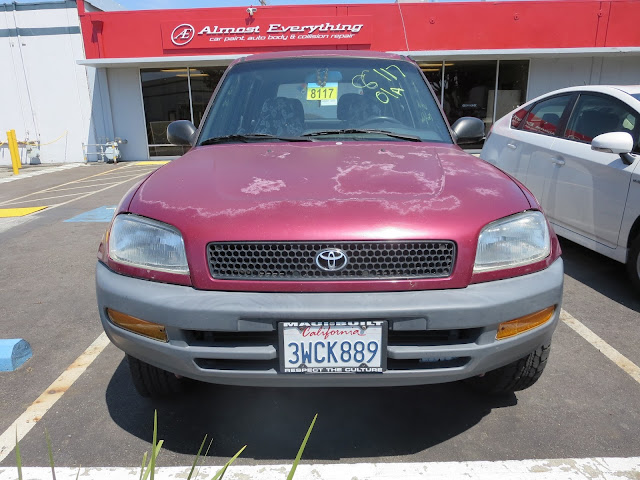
{"x": 145, "y": 69}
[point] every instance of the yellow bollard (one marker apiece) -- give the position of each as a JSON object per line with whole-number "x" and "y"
{"x": 13, "y": 149}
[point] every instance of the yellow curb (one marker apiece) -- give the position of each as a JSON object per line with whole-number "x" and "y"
{"x": 153, "y": 162}
{"x": 18, "y": 212}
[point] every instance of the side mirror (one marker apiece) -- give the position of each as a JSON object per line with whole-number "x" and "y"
{"x": 181, "y": 132}
{"x": 468, "y": 130}
{"x": 615, "y": 142}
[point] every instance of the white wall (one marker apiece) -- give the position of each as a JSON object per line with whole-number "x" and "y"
{"x": 45, "y": 93}
{"x": 127, "y": 109}
{"x": 547, "y": 74}
{"x": 620, "y": 71}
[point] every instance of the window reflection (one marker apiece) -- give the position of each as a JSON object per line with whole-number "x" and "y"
{"x": 171, "y": 94}
{"x": 467, "y": 88}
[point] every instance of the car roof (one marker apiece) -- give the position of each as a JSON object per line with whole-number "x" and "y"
{"x": 622, "y": 92}
{"x": 320, "y": 54}
{"x": 630, "y": 89}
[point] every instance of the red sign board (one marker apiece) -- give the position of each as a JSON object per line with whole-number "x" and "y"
{"x": 221, "y": 33}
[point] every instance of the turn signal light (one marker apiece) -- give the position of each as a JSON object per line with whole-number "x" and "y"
{"x": 523, "y": 324}
{"x": 135, "y": 325}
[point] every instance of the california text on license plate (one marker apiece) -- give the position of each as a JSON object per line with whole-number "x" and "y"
{"x": 333, "y": 347}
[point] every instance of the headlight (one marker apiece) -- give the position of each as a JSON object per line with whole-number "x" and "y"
{"x": 513, "y": 241}
{"x": 146, "y": 243}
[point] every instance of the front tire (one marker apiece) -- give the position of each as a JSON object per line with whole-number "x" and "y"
{"x": 513, "y": 377}
{"x": 152, "y": 381}
{"x": 633, "y": 263}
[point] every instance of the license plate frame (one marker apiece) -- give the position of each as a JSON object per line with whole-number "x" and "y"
{"x": 371, "y": 331}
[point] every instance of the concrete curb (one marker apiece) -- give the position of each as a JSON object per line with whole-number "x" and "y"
{"x": 542, "y": 469}
{"x": 13, "y": 353}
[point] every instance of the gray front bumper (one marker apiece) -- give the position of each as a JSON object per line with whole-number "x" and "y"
{"x": 184, "y": 310}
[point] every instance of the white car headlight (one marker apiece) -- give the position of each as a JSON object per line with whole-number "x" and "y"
{"x": 145, "y": 243}
{"x": 513, "y": 241}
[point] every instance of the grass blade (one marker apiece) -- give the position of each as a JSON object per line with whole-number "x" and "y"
{"x": 152, "y": 461}
{"x": 155, "y": 450}
{"x": 205, "y": 454}
{"x": 50, "y": 451}
{"x": 304, "y": 444}
{"x": 195, "y": 460}
{"x": 18, "y": 456}
{"x": 220, "y": 474}
{"x": 144, "y": 464}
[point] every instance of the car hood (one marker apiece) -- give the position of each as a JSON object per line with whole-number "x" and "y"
{"x": 324, "y": 191}
{"x": 332, "y": 191}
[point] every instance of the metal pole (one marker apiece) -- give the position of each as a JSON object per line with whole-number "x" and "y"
{"x": 13, "y": 149}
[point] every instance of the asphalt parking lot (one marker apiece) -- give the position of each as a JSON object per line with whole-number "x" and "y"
{"x": 587, "y": 403}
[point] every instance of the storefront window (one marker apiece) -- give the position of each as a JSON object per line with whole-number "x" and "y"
{"x": 433, "y": 72}
{"x": 174, "y": 94}
{"x": 512, "y": 86}
{"x": 203, "y": 83}
{"x": 468, "y": 91}
{"x": 467, "y": 88}
{"x": 165, "y": 94}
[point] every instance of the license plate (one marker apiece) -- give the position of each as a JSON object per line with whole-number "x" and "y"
{"x": 333, "y": 347}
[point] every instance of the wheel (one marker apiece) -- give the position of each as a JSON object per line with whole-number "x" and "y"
{"x": 633, "y": 263}
{"x": 380, "y": 118}
{"x": 152, "y": 381}
{"x": 513, "y": 377}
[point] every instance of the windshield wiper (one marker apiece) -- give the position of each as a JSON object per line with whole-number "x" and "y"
{"x": 402, "y": 136}
{"x": 251, "y": 137}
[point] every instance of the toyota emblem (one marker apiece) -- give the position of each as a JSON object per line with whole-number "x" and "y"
{"x": 331, "y": 259}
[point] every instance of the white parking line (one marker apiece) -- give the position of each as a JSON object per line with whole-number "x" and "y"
{"x": 607, "y": 350}
{"x": 33, "y": 414}
{"x": 132, "y": 174}
{"x": 105, "y": 180}
{"x": 40, "y": 171}
{"x": 557, "y": 469}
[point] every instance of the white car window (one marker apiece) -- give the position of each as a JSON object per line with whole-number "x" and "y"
{"x": 545, "y": 116}
{"x": 597, "y": 114}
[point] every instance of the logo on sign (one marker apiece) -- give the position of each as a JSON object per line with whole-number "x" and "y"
{"x": 331, "y": 259}
{"x": 183, "y": 34}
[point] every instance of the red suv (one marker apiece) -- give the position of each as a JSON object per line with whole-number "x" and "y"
{"x": 325, "y": 229}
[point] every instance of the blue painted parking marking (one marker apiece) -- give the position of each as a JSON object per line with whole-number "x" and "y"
{"x": 100, "y": 214}
{"x": 13, "y": 353}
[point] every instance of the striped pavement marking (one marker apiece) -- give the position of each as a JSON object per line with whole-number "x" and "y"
{"x": 40, "y": 171}
{"x": 106, "y": 181}
{"x": 18, "y": 212}
{"x": 600, "y": 468}
{"x": 100, "y": 214}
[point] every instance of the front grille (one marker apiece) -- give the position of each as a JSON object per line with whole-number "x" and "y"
{"x": 429, "y": 338}
{"x": 297, "y": 261}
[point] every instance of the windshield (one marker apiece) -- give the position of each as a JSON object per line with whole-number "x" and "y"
{"x": 322, "y": 99}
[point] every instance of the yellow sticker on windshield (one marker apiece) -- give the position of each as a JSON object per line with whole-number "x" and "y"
{"x": 327, "y": 94}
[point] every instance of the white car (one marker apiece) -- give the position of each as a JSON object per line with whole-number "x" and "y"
{"x": 578, "y": 150}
